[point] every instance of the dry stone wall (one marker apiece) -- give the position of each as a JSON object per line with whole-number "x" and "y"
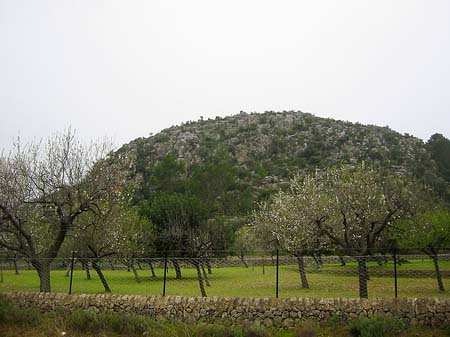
{"x": 252, "y": 311}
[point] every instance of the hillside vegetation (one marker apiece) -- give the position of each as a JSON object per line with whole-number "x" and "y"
{"x": 231, "y": 163}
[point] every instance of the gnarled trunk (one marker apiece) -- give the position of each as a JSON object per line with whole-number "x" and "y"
{"x": 438, "y": 272}
{"x": 135, "y": 273}
{"x": 199, "y": 277}
{"x": 208, "y": 265}
{"x": 97, "y": 268}
{"x": 150, "y": 263}
{"x": 302, "y": 272}
{"x": 241, "y": 257}
{"x": 205, "y": 276}
{"x": 16, "y": 268}
{"x": 318, "y": 259}
{"x": 176, "y": 265}
{"x": 85, "y": 266}
{"x": 42, "y": 267}
{"x": 363, "y": 277}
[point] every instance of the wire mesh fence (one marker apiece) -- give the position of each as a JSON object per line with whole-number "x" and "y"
{"x": 253, "y": 274}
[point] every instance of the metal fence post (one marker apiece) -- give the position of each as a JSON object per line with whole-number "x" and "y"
{"x": 71, "y": 272}
{"x": 277, "y": 272}
{"x": 165, "y": 274}
{"x": 395, "y": 274}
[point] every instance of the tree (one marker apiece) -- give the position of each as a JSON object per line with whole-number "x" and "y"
{"x": 290, "y": 219}
{"x": 44, "y": 188}
{"x": 361, "y": 204}
{"x": 439, "y": 147}
{"x": 118, "y": 230}
{"x": 428, "y": 230}
{"x": 245, "y": 242}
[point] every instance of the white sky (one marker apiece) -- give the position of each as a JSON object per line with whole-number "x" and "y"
{"x": 123, "y": 69}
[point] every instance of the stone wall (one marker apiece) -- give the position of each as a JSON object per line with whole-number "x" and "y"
{"x": 255, "y": 311}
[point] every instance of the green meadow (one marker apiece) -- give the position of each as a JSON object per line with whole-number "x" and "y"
{"x": 332, "y": 280}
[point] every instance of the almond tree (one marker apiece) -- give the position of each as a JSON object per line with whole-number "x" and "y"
{"x": 361, "y": 205}
{"x": 44, "y": 188}
{"x": 291, "y": 220}
{"x": 118, "y": 230}
{"x": 350, "y": 207}
{"x": 429, "y": 231}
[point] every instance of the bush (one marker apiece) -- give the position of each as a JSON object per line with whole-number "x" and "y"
{"x": 84, "y": 321}
{"x": 307, "y": 328}
{"x": 214, "y": 330}
{"x": 128, "y": 324}
{"x": 13, "y": 314}
{"x": 376, "y": 326}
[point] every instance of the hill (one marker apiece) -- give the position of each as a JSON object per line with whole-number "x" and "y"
{"x": 231, "y": 163}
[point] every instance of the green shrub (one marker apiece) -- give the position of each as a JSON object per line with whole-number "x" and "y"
{"x": 376, "y": 326}
{"x": 84, "y": 320}
{"x": 255, "y": 332}
{"x": 127, "y": 324}
{"x": 307, "y": 328}
{"x": 218, "y": 330}
{"x": 13, "y": 314}
{"x": 212, "y": 330}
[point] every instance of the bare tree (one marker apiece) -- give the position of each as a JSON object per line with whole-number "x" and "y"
{"x": 44, "y": 188}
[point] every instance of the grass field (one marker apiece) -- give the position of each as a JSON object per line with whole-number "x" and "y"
{"x": 244, "y": 282}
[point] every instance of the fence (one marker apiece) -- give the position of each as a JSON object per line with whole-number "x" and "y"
{"x": 255, "y": 274}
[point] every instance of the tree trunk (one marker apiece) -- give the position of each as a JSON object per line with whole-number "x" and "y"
{"x": 177, "y": 269}
{"x": 128, "y": 265}
{"x": 200, "y": 280}
{"x": 208, "y": 265}
{"x": 97, "y": 268}
{"x": 16, "y": 268}
{"x": 135, "y": 273}
{"x": 363, "y": 276}
{"x": 381, "y": 260}
{"x": 68, "y": 270}
{"x": 301, "y": 270}
{"x": 438, "y": 272}
{"x": 241, "y": 257}
{"x": 342, "y": 261}
{"x": 85, "y": 266}
{"x": 205, "y": 276}
{"x": 150, "y": 263}
{"x": 318, "y": 259}
{"x": 43, "y": 269}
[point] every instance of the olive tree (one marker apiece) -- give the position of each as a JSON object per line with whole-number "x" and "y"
{"x": 44, "y": 188}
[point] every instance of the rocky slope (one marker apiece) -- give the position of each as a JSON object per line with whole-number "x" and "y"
{"x": 264, "y": 150}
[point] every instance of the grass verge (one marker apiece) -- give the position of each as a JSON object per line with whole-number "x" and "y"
{"x": 16, "y": 321}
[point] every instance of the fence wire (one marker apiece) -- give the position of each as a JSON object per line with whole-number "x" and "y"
{"x": 253, "y": 274}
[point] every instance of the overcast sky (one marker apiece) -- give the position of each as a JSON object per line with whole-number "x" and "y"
{"x": 123, "y": 69}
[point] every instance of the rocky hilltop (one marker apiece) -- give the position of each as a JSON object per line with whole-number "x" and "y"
{"x": 262, "y": 151}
